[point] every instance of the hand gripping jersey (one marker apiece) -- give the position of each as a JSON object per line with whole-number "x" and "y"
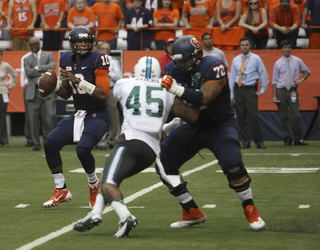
{"x": 85, "y": 70}
{"x": 146, "y": 106}
{"x": 220, "y": 109}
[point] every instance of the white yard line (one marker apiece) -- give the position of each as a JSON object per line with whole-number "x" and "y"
{"x": 130, "y": 198}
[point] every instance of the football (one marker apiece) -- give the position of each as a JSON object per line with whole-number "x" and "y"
{"x": 47, "y": 83}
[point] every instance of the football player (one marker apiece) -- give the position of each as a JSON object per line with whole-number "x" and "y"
{"x": 146, "y": 106}
{"x": 204, "y": 82}
{"x": 85, "y": 78}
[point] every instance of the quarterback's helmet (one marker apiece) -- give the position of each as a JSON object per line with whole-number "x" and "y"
{"x": 186, "y": 54}
{"x": 147, "y": 67}
{"x": 80, "y": 33}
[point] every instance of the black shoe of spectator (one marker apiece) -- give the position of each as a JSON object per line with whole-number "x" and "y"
{"x": 300, "y": 143}
{"x": 288, "y": 143}
{"x": 29, "y": 144}
{"x": 36, "y": 148}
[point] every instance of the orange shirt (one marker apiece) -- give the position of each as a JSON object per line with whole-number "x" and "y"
{"x": 80, "y": 18}
{"x": 51, "y": 10}
{"x": 165, "y": 16}
{"x": 108, "y": 17}
{"x": 245, "y": 6}
{"x": 214, "y": 6}
{"x": 288, "y": 18}
{"x": 5, "y": 6}
{"x": 21, "y": 18}
{"x": 228, "y": 14}
{"x": 299, "y": 3}
{"x": 199, "y": 15}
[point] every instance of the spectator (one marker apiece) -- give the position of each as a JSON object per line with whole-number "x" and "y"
{"x": 165, "y": 17}
{"x": 95, "y": 46}
{"x": 21, "y": 15}
{"x": 285, "y": 83}
{"x": 4, "y": 5}
{"x": 39, "y": 109}
{"x": 52, "y": 13}
{"x": 114, "y": 75}
{"x": 255, "y": 22}
{"x": 246, "y": 69}
{"x": 314, "y": 34}
{"x": 201, "y": 15}
{"x": 136, "y": 20}
{"x": 164, "y": 60}
{"x": 110, "y": 18}
{"x": 5, "y": 87}
{"x": 262, "y": 3}
{"x": 80, "y": 14}
{"x": 228, "y": 15}
{"x": 209, "y": 50}
{"x": 285, "y": 21}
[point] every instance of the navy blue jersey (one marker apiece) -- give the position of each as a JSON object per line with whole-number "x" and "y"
{"x": 85, "y": 69}
{"x": 218, "y": 110}
{"x": 144, "y": 16}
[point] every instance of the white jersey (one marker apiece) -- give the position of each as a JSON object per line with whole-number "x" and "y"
{"x": 146, "y": 107}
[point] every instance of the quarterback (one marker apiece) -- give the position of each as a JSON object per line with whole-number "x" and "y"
{"x": 85, "y": 78}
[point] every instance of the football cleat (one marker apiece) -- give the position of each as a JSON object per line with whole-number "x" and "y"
{"x": 195, "y": 216}
{"x": 252, "y": 214}
{"x": 93, "y": 194}
{"x": 126, "y": 226}
{"x": 88, "y": 222}
{"x": 59, "y": 196}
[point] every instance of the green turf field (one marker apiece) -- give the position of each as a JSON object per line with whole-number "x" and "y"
{"x": 285, "y": 183}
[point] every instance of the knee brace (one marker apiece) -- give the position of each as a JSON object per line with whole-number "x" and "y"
{"x": 86, "y": 158}
{"x": 236, "y": 176}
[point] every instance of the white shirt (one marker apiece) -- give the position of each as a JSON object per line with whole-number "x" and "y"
{"x": 146, "y": 107}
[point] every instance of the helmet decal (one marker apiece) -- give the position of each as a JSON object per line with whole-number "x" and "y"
{"x": 196, "y": 43}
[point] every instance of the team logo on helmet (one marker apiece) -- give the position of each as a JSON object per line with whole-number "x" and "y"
{"x": 196, "y": 44}
{"x": 83, "y": 35}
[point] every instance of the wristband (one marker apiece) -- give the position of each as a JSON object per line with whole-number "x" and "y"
{"x": 58, "y": 23}
{"x": 302, "y": 79}
{"x": 163, "y": 25}
{"x": 228, "y": 25}
{"x": 258, "y": 28}
{"x": 57, "y": 87}
{"x": 176, "y": 90}
{"x": 87, "y": 86}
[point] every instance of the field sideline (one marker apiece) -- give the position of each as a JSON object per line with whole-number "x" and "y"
{"x": 285, "y": 183}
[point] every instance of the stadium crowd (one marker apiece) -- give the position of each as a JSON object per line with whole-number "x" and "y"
{"x": 226, "y": 20}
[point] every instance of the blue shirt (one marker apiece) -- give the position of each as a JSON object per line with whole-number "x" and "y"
{"x": 254, "y": 70}
{"x": 279, "y": 71}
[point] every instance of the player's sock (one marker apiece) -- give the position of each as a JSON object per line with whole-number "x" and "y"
{"x": 59, "y": 180}
{"x": 92, "y": 178}
{"x": 120, "y": 208}
{"x": 99, "y": 205}
{"x": 246, "y": 197}
{"x": 186, "y": 201}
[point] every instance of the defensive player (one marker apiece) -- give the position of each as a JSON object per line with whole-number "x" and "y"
{"x": 215, "y": 129}
{"x": 85, "y": 77}
{"x": 146, "y": 106}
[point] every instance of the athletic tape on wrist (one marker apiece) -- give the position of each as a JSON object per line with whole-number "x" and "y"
{"x": 57, "y": 87}
{"x": 87, "y": 86}
{"x": 176, "y": 90}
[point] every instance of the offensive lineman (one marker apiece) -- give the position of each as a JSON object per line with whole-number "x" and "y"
{"x": 146, "y": 106}
{"x": 215, "y": 129}
{"x": 85, "y": 77}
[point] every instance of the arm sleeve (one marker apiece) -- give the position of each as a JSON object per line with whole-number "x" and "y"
{"x": 102, "y": 79}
